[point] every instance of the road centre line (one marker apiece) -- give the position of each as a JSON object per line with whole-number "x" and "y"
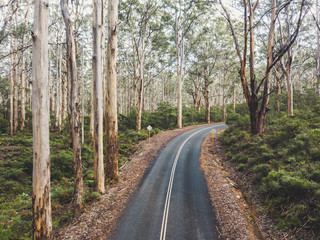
{"x": 168, "y": 197}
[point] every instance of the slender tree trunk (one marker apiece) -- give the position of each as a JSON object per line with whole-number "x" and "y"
{"x": 112, "y": 171}
{"x": 75, "y": 111}
{"x": 234, "y": 96}
{"x": 82, "y": 96}
{"x": 41, "y": 201}
{"x": 97, "y": 68}
{"x": 52, "y": 100}
{"x": 64, "y": 96}
{"x": 15, "y": 86}
{"x": 206, "y": 100}
{"x": 139, "y": 104}
{"x": 289, "y": 68}
{"x": 277, "y": 91}
{"x": 290, "y": 90}
{"x": 224, "y": 105}
{"x": 92, "y": 109}
{"x": 23, "y": 86}
{"x": 59, "y": 97}
{"x": 179, "y": 74}
{"x": 12, "y": 64}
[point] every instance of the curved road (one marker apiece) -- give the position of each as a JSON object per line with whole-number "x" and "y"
{"x": 173, "y": 202}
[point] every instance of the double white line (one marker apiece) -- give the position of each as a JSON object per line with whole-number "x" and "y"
{"x": 167, "y": 204}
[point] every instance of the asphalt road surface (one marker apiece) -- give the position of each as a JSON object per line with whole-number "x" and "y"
{"x": 173, "y": 202}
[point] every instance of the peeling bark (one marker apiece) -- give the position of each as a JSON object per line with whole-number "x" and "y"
{"x": 41, "y": 201}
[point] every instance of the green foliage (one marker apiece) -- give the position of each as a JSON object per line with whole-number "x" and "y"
{"x": 284, "y": 163}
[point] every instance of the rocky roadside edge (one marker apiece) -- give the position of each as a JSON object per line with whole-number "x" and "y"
{"x": 100, "y": 217}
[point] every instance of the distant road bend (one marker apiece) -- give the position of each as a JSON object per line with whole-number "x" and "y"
{"x": 173, "y": 202}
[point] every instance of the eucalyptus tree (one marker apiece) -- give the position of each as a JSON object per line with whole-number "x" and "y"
{"x": 181, "y": 15}
{"x": 286, "y": 27}
{"x": 97, "y": 69}
{"x": 112, "y": 171}
{"x": 75, "y": 109}
{"x": 141, "y": 21}
{"x": 258, "y": 105}
{"x": 41, "y": 201}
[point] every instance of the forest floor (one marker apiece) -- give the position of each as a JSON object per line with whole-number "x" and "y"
{"x": 237, "y": 218}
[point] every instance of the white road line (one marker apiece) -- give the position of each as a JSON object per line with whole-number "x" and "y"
{"x": 167, "y": 204}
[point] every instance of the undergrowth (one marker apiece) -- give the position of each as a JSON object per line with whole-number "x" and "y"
{"x": 284, "y": 162}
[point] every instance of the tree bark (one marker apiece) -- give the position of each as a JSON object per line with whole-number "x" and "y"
{"x": 139, "y": 103}
{"x": 75, "y": 111}
{"x": 15, "y": 83}
{"x": 179, "y": 83}
{"x": 23, "y": 86}
{"x": 41, "y": 201}
{"x": 59, "y": 97}
{"x": 11, "y": 88}
{"x": 97, "y": 74}
{"x": 112, "y": 171}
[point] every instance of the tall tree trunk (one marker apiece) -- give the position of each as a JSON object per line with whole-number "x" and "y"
{"x": 41, "y": 201}
{"x": 59, "y": 97}
{"x": 12, "y": 64}
{"x": 179, "y": 53}
{"x": 23, "y": 86}
{"x": 234, "y": 96}
{"x": 277, "y": 90}
{"x": 64, "y": 88}
{"x": 75, "y": 111}
{"x": 289, "y": 68}
{"x": 97, "y": 68}
{"x": 92, "y": 109}
{"x": 206, "y": 100}
{"x": 139, "y": 103}
{"x": 52, "y": 100}
{"x": 289, "y": 88}
{"x": 224, "y": 105}
{"x": 15, "y": 84}
{"x": 112, "y": 171}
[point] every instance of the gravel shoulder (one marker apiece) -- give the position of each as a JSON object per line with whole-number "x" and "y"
{"x": 236, "y": 218}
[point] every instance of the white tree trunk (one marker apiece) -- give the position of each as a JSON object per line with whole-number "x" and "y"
{"x": 59, "y": 98}
{"x": 112, "y": 171}
{"x": 11, "y": 88}
{"x": 15, "y": 85}
{"x": 41, "y": 201}
{"x": 23, "y": 86}
{"x": 97, "y": 68}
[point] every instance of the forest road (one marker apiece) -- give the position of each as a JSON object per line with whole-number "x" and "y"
{"x": 172, "y": 202}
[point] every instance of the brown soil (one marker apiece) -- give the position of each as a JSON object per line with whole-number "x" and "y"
{"x": 100, "y": 217}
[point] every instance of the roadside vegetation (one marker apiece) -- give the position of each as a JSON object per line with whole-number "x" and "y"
{"x": 16, "y": 165}
{"x": 283, "y": 163}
